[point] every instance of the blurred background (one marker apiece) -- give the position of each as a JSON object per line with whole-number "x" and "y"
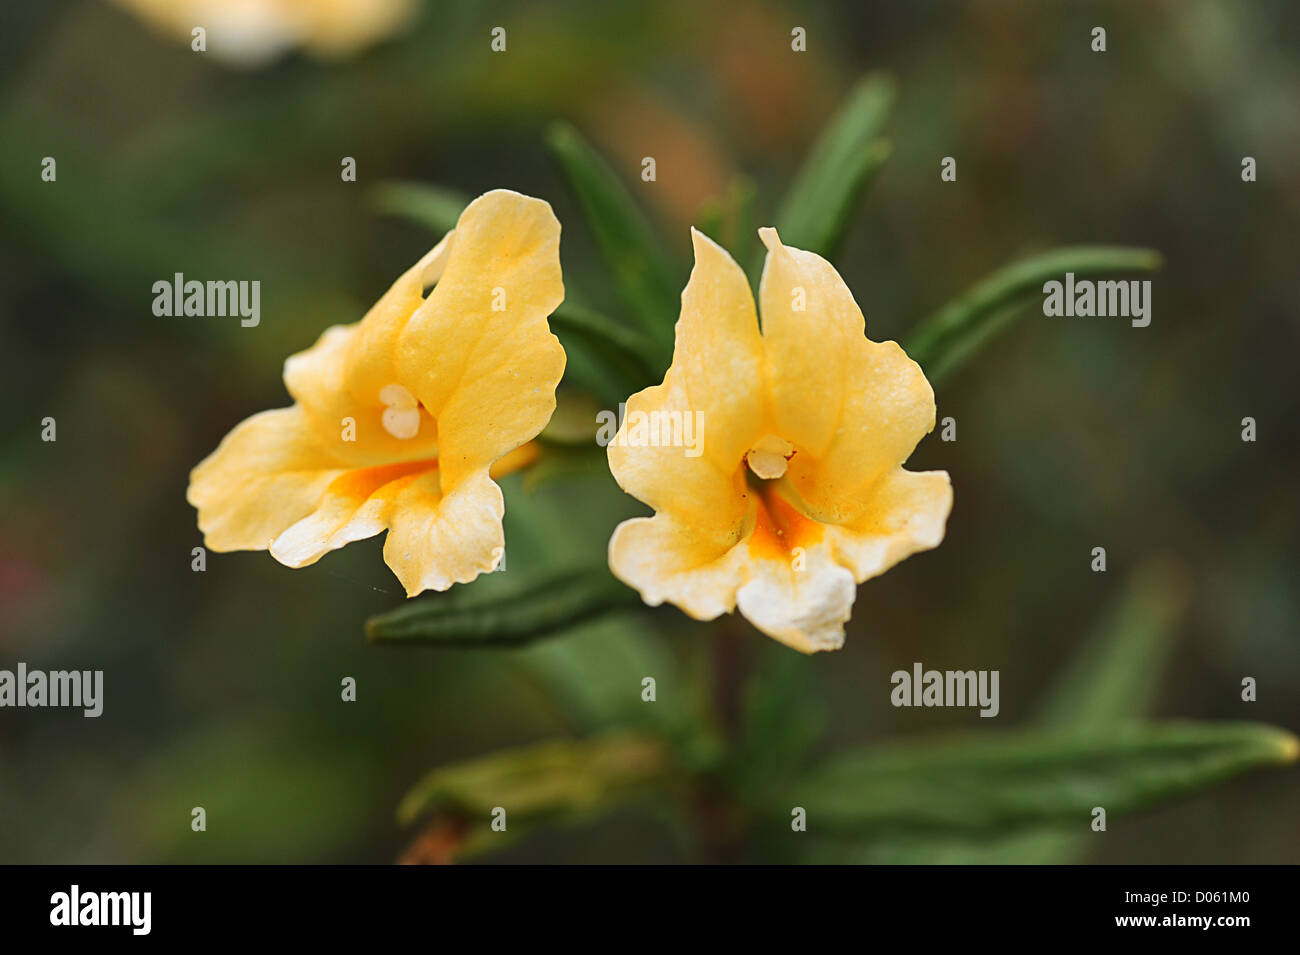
{"x": 222, "y": 687}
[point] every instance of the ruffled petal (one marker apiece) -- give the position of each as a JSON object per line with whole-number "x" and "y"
{"x": 798, "y": 595}
{"x": 804, "y": 604}
{"x": 680, "y": 446}
{"x": 718, "y": 354}
{"x": 340, "y": 381}
{"x": 436, "y": 540}
{"x": 669, "y": 559}
{"x": 268, "y": 472}
{"x": 372, "y": 360}
{"x": 478, "y": 353}
{"x": 905, "y": 513}
{"x": 355, "y": 505}
{"x": 433, "y": 540}
{"x": 854, "y": 408}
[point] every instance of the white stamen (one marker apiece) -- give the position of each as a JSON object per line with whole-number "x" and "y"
{"x": 768, "y": 458}
{"x": 402, "y": 414}
{"x": 396, "y": 396}
{"x": 402, "y": 423}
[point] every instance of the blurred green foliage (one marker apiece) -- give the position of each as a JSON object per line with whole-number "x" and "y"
{"x": 991, "y": 797}
{"x": 223, "y": 687}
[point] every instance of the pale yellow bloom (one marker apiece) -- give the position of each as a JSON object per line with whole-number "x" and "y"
{"x": 399, "y": 418}
{"x": 250, "y": 32}
{"x": 796, "y": 492}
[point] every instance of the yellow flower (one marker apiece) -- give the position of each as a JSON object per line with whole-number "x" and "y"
{"x": 794, "y": 491}
{"x": 399, "y": 418}
{"x": 251, "y": 32}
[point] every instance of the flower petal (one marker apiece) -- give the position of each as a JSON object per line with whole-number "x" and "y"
{"x": 267, "y": 473}
{"x": 805, "y": 606}
{"x": 718, "y": 353}
{"x": 853, "y": 407}
{"x": 435, "y": 541}
{"x": 372, "y": 360}
{"x": 801, "y": 602}
{"x": 344, "y": 375}
{"x": 479, "y": 353}
{"x": 905, "y": 513}
{"x": 356, "y": 505}
{"x": 667, "y": 558}
{"x": 711, "y": 393}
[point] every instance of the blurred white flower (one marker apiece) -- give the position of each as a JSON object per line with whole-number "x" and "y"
{"x": 254, "y": 32}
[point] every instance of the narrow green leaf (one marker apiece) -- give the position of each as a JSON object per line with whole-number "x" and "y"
{"x": 433, "y": 207}
{"x": 595, "y": 678}
{"x": 817, "y": 209}
{"x": 783, "y": 715}
{"x": 592, "y": 673}
{"x": 710, "y": 217}
{"x": 643, "y": 273}
{"x": 480, "y": 616}
{"x": 574, "y": 420}
{"x": 554, "y": 776}
{"x": 1112, "y": 679}
{"x": 561, "y": 461}
{"x": 556, "y": 782}
{"x": 943, "y": 342}
{"x": 729, "y": 219}
{"x": 621, "y": 362}
{"x": 999, "y": 784}
{"x": 1117, "y": 672}
{"x": 740, "y": 231}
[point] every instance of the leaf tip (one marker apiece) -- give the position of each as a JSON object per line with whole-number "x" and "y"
{"x": 560, "y": 136}
{"x": 880, "y": 84}
{"x": 1152, "y": 260}
{"x": 1288, "y": 746}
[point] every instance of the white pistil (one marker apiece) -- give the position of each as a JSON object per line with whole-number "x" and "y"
{"x": 401, "y": 417}
{"x": 768, "y": 458}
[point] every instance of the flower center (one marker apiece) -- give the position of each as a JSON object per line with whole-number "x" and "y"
{"x": 401, "y": 416}
{"x": 780, "y": 527}
{"x": 769, "y": 456}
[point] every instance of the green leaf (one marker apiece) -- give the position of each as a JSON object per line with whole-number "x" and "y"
{"x": 709, "y": 218}
{"x": 944, "y": 341}
{"x": 1003, "y": 785}
{"x": 433, "y": 207}
{"x": 1117, "y": 672}
{"x": 643, "y": 273}
{"x": 1112, "y": 679}
{"x": 620, "y": 357}
{"x": 729, "y": 219}
{"x": 592, "y": 673}
{"x": 556, "y": 782}
{"x": 566, "y": 461}
{"x": 481, "y": 615}
{"x": 595, "y": 677}
{"x": 817, "y": 209}
{"x": 784, "y": 714}
{"x": 573, "y": 422}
